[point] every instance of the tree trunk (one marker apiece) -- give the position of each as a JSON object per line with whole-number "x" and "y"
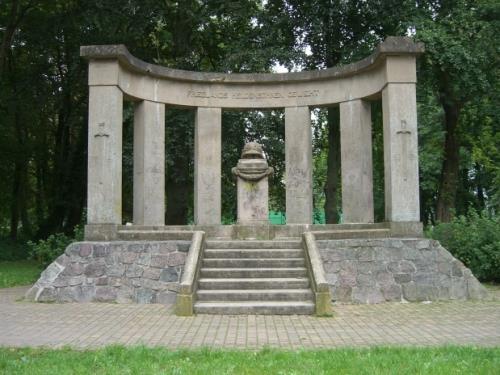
{"x": 14, "y": 207}
{"x": 177, "y": 203}
{"x": 333, "y": 167}
{"x": 450, "y": 169}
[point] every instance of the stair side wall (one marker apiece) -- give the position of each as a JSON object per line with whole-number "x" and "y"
{"x": 122, "y": 272}
{"x": 392, "y": 269}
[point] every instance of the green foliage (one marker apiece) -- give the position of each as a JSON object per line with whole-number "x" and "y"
{"x": 46, "y": 251}
{"x": 142, "y": 360}
{"x": 43, "y": 95}
{"x": 12, "y": 250}
{"x": 475, "y": 240}
{"x": 18, "y": 273}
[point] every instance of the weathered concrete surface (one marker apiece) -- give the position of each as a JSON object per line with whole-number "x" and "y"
{"x": 123, "y": 272}
{"x": 104, "y": 189}
{"x": 400, "y": 152}
{"x": 115, "y": 65}
{"x": 253, "y": 199}
{"x": 149, "y": 163}
{"x": 207, "y": 166}
{"x": 380, "y": 270}
{"x": 356, "y": 161}
{"x": 107, "y": 232}
{"x": 298, "y": 159}
{"x": 253, "y": 191}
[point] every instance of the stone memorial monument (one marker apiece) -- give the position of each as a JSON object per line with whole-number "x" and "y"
{"x": 252, "y": 174}
{"x": 297, "y": 268}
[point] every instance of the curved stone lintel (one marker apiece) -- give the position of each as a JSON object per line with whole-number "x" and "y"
{"x": 392, "y": 62}
{"x": 390, "y": 46}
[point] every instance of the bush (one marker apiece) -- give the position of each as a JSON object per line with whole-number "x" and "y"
{"x": 11, "y": 250}
{"x": 475, "y": 240}
{"x": 46, "y": 251}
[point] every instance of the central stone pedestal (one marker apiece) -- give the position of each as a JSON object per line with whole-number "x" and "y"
{"x": 252, "y": 195}
{"x": 252, "y": 172}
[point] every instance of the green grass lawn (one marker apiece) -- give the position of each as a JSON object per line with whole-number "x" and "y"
{"x": 21, "y": 272}
{"x": 141, "y": 360}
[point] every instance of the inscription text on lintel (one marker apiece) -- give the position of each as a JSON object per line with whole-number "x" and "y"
{"x": 252, "y": 95}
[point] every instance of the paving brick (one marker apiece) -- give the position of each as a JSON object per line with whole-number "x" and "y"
{"x": 92, "y": 325}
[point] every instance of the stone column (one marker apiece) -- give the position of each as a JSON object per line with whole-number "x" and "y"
{"x": 356, "y": 158}
{"x": 104, "y": 190}
{"x": 149, "y": 163}
{"x": 298, "y": 159}
{"x": 400, "y": 153}
{"x": 207, "y": 166}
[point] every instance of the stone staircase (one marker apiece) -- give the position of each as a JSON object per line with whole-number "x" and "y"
{"x": 254, "y": 277}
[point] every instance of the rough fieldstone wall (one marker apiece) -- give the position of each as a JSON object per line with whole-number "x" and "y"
{"x": 379, "y": 270}
{"x": 123, "y": 272}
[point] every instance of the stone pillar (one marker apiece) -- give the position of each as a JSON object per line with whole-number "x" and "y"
{"x": 400, "y": 153}
{"x": 104, "y": 190}
{"x": 207, "y": 166}
{"x": 149, "y": 163}
{"x": 298, "y": 159}
{"x": 356, "y": 158}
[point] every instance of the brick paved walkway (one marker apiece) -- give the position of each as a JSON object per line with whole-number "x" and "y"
{"x": 93, "y": 325}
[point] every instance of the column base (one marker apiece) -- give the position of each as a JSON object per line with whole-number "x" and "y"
{"x": 406, "y": 228}
{"x": 101, "y": 232}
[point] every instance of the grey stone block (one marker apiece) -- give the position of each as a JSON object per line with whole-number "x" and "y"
{"x": 101, "y": 251}
{"x": 367, "y": 294}
{"x": 134, "y": 270}
{"x": 365, "y": 254}
{"x": 341, "y": 293}
{"x": 456, "y": 268}
{"x": 143, "y": 295}
{"x": 475, "y": 290}
{"x": 402, "y": 278}
{"x": 136, "y": 247}
{"x": 94, "y": 270}
{"x": 169, "y": 274}
{"x": 73, "y": 269}
{"x": 115, "y": 270}
{"x": 410, "y": 291}
{"x": 392, "y": 292}
{"x": 144, "y": 259}
{"x": 105, "y": 294}
{"x": 384, "y": 278}
{"x": 125, "y": 294}
{"x": 129, "y": 257}
{"x": 166, "y": 298}
{"x": 183, "y": 246}
{"x": 48, "y": 294}
{"x": 176, "y": 259}
{"x": 50, "y": 273}
{"x": 101, "y": 281}
{"x": 152, "y": 273}
{"x": 85, "y": 250}
{"x": 159, "y": 261}
{"x": 427, "y": 292}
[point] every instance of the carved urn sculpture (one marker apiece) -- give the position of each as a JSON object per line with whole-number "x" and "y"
{"x": 252, "y": 172}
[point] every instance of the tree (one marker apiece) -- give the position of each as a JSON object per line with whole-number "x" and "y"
{"x": 458, "y": 67}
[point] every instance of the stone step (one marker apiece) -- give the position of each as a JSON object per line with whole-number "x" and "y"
{"x": 253, "y": 253}
{"x": 253, "y": 283}
{"x": 246, "y": 244}
{"x": 153, "y": 235}
{"x": 255, "y": 295}
{"x": 255, "y": 307}
{"x": 351, "y": 233}
{"x": 253, "y": 272}
{"x": 253, "y": 262}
